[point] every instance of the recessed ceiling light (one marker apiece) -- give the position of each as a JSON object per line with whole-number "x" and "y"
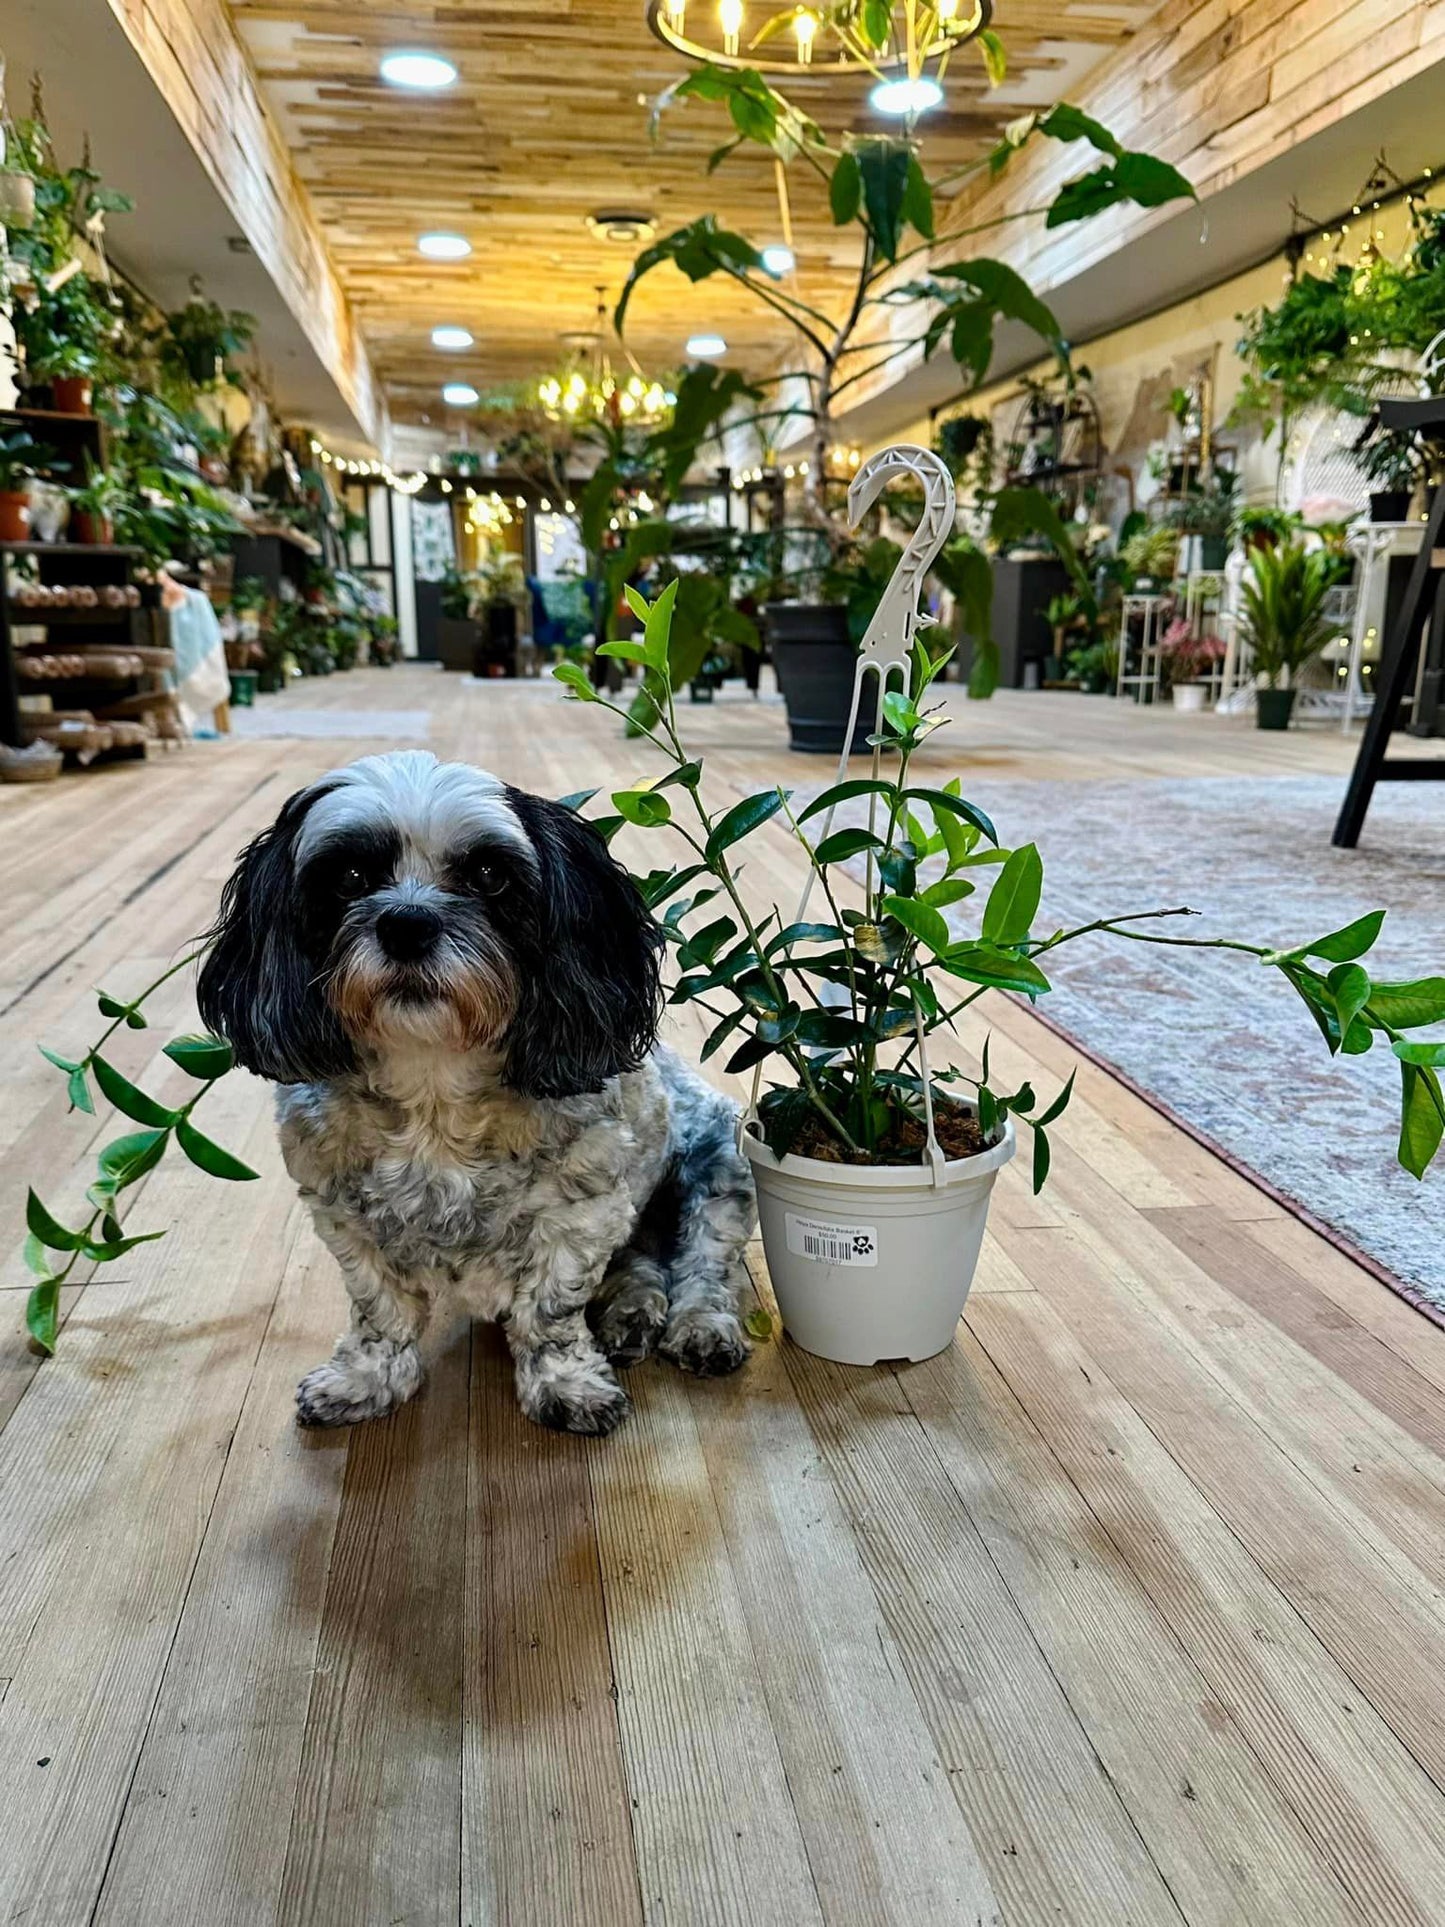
{"x": 460, "y": 394}
{"x": 412, "y": 69}
{"x": 706, "y": 347}
{"x": 778, "y": 260}
{"x": 451, "y": 338}
{"x": 444, "y": 247}
{"x": 902, "y": 97}
{"x": 628, "y": 226}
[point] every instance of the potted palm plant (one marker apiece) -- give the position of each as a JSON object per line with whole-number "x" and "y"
{"x": 876, "y": 187}
{"x": 1285, "y": 621}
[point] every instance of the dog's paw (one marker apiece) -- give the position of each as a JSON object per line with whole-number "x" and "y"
{"x": 571, "y": 1392}
{"x": 631, "y": 1324}
{"x": 357, "y": 1384}
{"x": 707, "y": 1343}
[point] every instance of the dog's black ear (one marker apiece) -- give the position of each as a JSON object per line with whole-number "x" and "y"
{"x": 260, "y": 987}
{"x": 589, "y": 998}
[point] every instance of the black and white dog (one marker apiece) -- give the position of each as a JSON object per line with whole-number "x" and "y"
{"x": 457, "y": 989}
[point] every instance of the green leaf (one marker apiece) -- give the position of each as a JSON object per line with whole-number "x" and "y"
{"x": 645, "y": 808}
{"x": 955, "y": 806}
{"x": 1430, "y": 1055}
{"x": 49, "y": 1230}
{"x": 718, "y": 1037}
{"x": 1409, "y": 1005}
{"x": 128, "y": 1098}
{"x": 831, "y": 1030}
{"x": 1060, "y": 1103}
{"x": 42, "y": 1313}
{"x": 109, "y": 1007}
{"x": 802, "y": 933}
{"x": 575, "y": 799}
{"x": 703, "y": 948}
{"x": 918, "y": 200}
{"x": 1067, "y": 123}
{"x": 876, "y": 20}
{"x": 947, "y": 890}
{"x": 1042, "y": 1158}
{"x": 742, "y": 819}
{"x": 623, "y": 651}
{"x": 995, "y": 60}
{"x": 981, "y": 963}
{"x": 921, "y": 921}
{"x": 1141, "y": 178}
{"x": 79, "y": 1091}
{"x": 1014, "y": 899}
{"x": 575, "y": 677}
{"x": 845, "y": 190}
{"x": 1340, "y": 946}
{"x": 752, "y": 1052}
{"x": 883, "y": 162}
{"x": 1422, "y": 1117}
{"x": 842, "y": 844}
{"x": 689, "y": 775}
{"x": 37, "y": 1258}
{"x": 758, "y": 1324}
{"x": 658, "y": 628}
{"x": 842, "y": 792}
{"x": 202, "y": 1056}
{"x": 606, "y": 826}
{"x": 110, "y": 1248}
{"x": 1350, "y": 986}
{"x": 125, "y": 1159}
{"x": 210, "y": 1157}
{"x": 898, "y": 869}
{"x": 60, "y": 1063}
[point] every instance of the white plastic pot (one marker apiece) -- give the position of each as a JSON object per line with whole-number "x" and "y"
{"x": 873, "y": 1261}
{"x": 1189, "y": 697}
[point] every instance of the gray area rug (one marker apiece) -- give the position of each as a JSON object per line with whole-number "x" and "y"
{"x": 1225, "y": 1043}
{"x": 268, "y": 724}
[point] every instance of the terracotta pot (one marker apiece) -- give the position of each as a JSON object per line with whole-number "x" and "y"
{"x": 71, "y": 394}
{"x": 14, "y": 515}
{"x": 88, "y": 527}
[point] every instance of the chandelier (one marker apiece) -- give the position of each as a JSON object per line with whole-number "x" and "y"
{"x": 589, "y": 390}
{"x": 915, "y": 34}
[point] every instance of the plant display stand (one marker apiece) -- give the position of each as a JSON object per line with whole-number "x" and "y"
{"x": 1148, "y": 612}
{"x": 1373, "y": 545}
{"x": 1406, "y": 645}
{"x": 101, "y": 662}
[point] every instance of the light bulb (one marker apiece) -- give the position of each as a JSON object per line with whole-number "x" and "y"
{"x": 778, "y": 260}
{"x": 805, "y": 26}
{"x": 903, "y": 98}
{"x": 424, "y": 71}
{"x": 706, "y": 347}
{"x": 730, "y": 18}
{"x": 455, "y": 338}
{"x": 440, "y": 246}
{"x": 460, "y": 394}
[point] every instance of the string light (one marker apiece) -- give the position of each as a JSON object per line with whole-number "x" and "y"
{"x": 381, "y": 471}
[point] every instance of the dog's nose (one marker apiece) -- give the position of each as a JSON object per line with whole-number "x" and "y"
{"x": 408, "y": 931}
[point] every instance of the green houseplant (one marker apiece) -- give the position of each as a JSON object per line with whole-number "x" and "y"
{"x": 1285, "y": 622}
{"x": 93, "y": 506}
{"x": 877, "y": 188}
{"x": 835, "y": 1012}
{"x": 830, "y": 1011}
{"x": 18, "y": 458}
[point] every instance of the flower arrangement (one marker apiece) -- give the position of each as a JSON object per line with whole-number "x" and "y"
{"x": 1189, "y": 657}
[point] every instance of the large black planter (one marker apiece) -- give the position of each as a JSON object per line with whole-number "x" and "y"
{"x": 815, "y": 660}
{"x": 1273, "y": 708}
{"x": 1390, "y": 505}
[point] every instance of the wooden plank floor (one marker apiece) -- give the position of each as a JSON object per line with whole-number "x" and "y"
{"x": 1127, "y": 1609}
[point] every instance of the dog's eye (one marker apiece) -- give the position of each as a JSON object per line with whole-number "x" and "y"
{"x": 352, "y": 882}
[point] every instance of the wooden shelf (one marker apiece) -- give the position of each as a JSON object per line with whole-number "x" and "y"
{"x": 66, "y": 548}
{"x": 24, "y": 618}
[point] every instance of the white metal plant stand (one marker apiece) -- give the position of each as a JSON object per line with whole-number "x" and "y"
{"x": 888, "y": 646}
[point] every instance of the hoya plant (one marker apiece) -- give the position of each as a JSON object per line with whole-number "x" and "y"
{"x": 833, "y": 1009}
{"x": 829, "y": 1010}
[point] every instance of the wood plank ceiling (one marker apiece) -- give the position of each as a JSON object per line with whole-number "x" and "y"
{"x": 548, "y": 122}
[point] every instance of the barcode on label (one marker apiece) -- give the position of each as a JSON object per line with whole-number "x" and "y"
{"x": 832, "y": 1244}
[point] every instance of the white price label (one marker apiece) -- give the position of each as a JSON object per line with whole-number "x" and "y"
{"x": 832, "y": 1244}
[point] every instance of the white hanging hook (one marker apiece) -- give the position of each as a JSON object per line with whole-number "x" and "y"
{"x": 888, "y": 645}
